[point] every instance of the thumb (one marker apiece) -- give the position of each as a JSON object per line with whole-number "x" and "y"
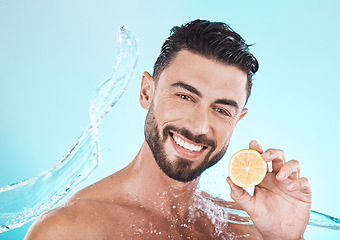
{"x": 241, "y": 197}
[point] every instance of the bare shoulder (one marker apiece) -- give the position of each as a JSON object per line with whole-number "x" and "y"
{"x": 86, "y": 215}
{"x": 73, "y": 221}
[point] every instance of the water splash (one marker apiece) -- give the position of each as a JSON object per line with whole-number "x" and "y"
{"x": 26, "y": 200}
{"x": 325, "y": 221}
{"x": 316, "y": 219}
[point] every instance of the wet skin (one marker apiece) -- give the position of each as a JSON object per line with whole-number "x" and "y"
{"x": 206, "y": 99}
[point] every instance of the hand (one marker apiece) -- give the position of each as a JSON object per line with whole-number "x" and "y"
{"x": 281, "y": 203}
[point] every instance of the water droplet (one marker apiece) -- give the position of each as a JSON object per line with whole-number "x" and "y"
{"x": 36, "y": 195}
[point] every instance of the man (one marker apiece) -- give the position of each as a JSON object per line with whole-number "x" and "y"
{"x": 197, "y": 94}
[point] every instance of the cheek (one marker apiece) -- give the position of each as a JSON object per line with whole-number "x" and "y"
{"x": 169, "y": 111}
{"x": 226, "y": 130}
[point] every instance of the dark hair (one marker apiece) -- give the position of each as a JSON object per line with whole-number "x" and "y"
{"x": 214, "y": 40}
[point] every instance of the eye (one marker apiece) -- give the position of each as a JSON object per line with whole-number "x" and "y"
{"x": 222, "y": 111}
{"x": 185, "y": 97}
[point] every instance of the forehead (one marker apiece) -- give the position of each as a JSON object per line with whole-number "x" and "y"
{"x": 213, "y": 79}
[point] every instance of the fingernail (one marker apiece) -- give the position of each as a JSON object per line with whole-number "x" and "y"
{"x": 228, "y": 181}
{"x": 290, "y": 187}
{"x": 281, "y": 175}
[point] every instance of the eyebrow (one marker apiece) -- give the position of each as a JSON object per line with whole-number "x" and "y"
{"x": 187, "y": 87}
{"x": 193, "y": 90}
{"x": 228, "y": 102}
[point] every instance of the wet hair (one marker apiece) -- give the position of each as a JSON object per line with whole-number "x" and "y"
{"x": 213, "y": 40}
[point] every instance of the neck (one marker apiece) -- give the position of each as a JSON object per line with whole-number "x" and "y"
{"x": 156, "y": 191}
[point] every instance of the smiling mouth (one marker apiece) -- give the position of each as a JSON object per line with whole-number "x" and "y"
{"x": 186, "y": 144}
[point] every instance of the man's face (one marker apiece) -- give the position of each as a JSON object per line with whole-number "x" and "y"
{"x": 192, "y": 114}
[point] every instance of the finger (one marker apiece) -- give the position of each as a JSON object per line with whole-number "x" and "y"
{"x": 290, "y": 170}
{"x": 276, "y": 156}
{"x": 240, "y": 196}
{"x": 301, "y": 184}
{"x": 255, "y": 146}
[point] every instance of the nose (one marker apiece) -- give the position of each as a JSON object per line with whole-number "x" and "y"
{"x": 199, "y": 121}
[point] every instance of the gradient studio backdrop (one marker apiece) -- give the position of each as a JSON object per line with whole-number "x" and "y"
{"x": 54, "y": 53}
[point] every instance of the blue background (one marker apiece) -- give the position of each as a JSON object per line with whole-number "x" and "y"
{"x": 54, "y": 53}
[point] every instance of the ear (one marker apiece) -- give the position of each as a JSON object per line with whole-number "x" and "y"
{"x": 146, "y": 90}
{"x": 242, "y": 114}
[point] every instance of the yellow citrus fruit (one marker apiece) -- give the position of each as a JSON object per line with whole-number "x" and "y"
{"x": 247, "y": 168}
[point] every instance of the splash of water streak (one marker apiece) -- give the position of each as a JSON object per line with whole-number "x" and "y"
{"x": 316, "y": 219}
{"x": 212, "y": 187}
{"x": 26, "y": 200}
{"x": 325, "y": 221}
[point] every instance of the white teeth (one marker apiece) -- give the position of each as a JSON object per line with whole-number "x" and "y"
{"x": 198, "y": 148}
{"x": 186, "y": 145}
{"x": 181, "y": 143}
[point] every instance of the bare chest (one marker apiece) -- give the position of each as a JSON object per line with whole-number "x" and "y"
{"x": 139, "y": 225}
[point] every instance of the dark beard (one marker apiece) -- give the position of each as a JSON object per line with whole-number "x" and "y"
{"x": 181, "y": 169}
